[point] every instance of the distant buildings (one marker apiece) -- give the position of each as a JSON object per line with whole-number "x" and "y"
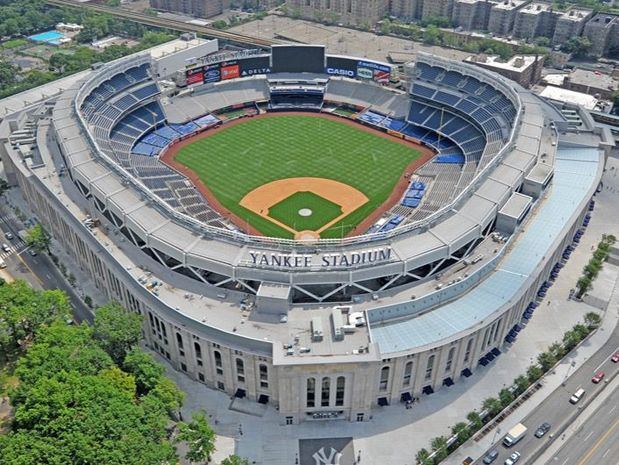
{"x": 526, "y": 70}
{"x": 603, "y": 32}
{"x": 355, "y": 12}
{"x": 502, "y": 16}
{"x": 570, "y": 24}
{"x": 198, "y": 8}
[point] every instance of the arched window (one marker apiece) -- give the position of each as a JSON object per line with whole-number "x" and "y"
{"x": 264, "y": 376}
{"x": 311, "y": 392}
{"x": 450, "y": 359}
{"x": 340, "y": 387}
{"x": 408, "y": 372}
{"x": 469, "y": 347}
{"x": 198, "y": 349}
{"x": 384, "y": 378}
{"x": 218, "y": 364}
{"x": 326, "y": 391}
{"x": 430, "y": 366}
{"x": 240, "y": 370}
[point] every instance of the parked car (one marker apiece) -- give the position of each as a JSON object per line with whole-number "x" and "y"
{"x": 599, "y": 376}
{"x": 542, "y": 430}
{"x": 615, "y": 357}
{"x": 491, "y": 457}
{"x": 9, "y": 236}
{"x": 513, "y": 458}
{"x": 32, "y": 252}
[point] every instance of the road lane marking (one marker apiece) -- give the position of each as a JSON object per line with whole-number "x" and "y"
{"x": 612, "y": 409}
{"x": 606, "y": 359}
{"x": 31, "y": 272}
{"x": 588, "y": 435}
{"x": 597, "y": 443}
{"x": 606, "y": 453}
{"x": 565, "y": 461}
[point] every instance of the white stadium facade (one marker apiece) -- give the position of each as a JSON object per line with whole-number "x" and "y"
{"x": 332, "y": 328}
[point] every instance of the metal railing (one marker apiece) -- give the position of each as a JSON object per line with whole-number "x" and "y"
{"x": 257, "y": 241}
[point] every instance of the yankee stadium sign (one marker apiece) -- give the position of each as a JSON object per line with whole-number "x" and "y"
{"x": 328, "y": 260}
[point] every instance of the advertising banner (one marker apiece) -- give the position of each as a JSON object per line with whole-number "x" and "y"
{"x": 229, "y": 70}
{"x": 375, "y": 71}
{"x": 211, "y": 73}
{"x": 254, "y": 65}
{"x": 195, "y": 76}
{"x": 339, "y": 66}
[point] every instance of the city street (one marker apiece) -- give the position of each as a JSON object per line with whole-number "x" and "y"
{"x": 597, "y": 441}
{"x": 558, "y": 411}
{"x": 37, "y": 270}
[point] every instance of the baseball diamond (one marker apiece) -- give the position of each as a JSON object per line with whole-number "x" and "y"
{"x": 237, "y": 159}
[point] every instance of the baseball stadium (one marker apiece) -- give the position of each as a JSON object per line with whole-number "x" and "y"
{"x": 319, "y": 233}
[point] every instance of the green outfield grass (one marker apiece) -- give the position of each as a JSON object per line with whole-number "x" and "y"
{"x": 258, "y": 151}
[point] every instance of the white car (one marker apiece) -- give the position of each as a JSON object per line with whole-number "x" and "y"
{"x": 513, "y": 458}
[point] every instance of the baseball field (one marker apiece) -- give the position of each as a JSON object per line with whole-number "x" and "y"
{"x": 297, "y": 175}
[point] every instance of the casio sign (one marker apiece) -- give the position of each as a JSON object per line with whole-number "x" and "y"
{"x": 341, "y": 72}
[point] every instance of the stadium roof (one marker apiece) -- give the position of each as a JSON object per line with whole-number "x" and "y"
{"x": 575, "y": 174}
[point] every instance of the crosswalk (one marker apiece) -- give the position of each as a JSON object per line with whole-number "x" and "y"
{"x": 15, "y": 245}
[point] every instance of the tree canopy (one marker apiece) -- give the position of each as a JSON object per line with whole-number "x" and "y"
{"x": 117, "y": 330}
{"x": 38, "y": 238}
{"x": 72, "y": 402}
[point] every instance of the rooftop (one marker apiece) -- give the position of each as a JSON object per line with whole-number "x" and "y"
{"x": 536, "y": 8}
{"x": 594, "y": 79}
{"x": 509, "y": 4}
{"x": 175, "y": 46}
{"x": 517, "y": 63}
{"x": 569, "y": 96}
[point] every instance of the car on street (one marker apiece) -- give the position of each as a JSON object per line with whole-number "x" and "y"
{"x": 491, "y": 457}
{"x": 542, "y": 430}
{"x": 32, "y": 252}
{"x": 512, "y": 458}
{"x": 599, "y": 376}
{"x": 6, "y": 247}
{"x": 9, "y": 236}
{"x": 615, "y": 357}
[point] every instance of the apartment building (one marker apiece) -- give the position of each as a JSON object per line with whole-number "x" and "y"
{"x": 197, "y": 8}
{"x": 570, "y": 24}
{"x": 534, "y": 20}
{"x": 407, "y": 9}
{"x": 355, "y": 12}
{"x": 603, "y": 32}
{"x": 471, "y": 14}
{"x": 443, "y": 8}
{"x": 502, "y": 16}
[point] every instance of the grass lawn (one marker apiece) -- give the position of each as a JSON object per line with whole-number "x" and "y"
{"x": 257, "y": 151}
{"x": 287, "y": 211}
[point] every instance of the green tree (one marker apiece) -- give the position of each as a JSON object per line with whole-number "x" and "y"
{"x": 432, "y": 35}
{"x": 422, "y": 457}
{"x": 234, "y": 460}
{"x": 24, "y": 310}
{"x": 570, "y": 340}
{"x": 521, "y": 383}
{"x": 144, "y": 368}
{"x": 199, "y": 436}
{"x": 492, "y": 405}
{"x": 506, "y": 397}
{"x": 546, "y": 360}
{"x": 38, "y": 238}
{"x": 592, "y": 320}
{"x": 534, "y": 373}
{"x": 117, "y": 330}
{"x": 475, "y": 420}
{"x": 578, "y": 45}
{"x": 439, "y": 447}
{"x": 462, "y": 431}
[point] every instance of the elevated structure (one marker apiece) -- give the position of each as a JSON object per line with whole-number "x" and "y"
{"x": 329, "y": 329}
